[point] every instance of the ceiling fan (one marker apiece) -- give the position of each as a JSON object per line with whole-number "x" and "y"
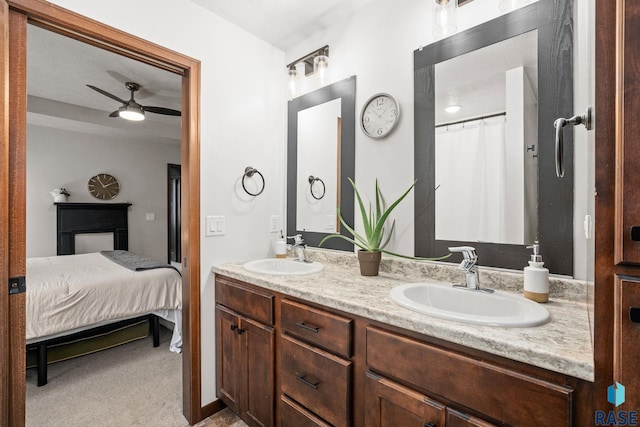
{"x": 130, "y": 109}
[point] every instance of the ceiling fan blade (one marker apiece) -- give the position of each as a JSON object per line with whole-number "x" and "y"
{"x": 115, "y": 114}
{"x": 105, "y": 93}
{"x": 161, "y": 110}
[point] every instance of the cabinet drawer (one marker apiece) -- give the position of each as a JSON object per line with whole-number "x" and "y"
{"x": 244, "y": 300}
{"x": 475, "y": 384}
{"x": 318, "y": 380}
{"x": 326, "y": 330}
{"x": 294, "y": 415}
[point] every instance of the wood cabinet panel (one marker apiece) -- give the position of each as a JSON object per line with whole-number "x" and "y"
{"x": 627, "y": 144}
{"x": 229, "y": 353}
{"x": 472, "y": 383}
{"x": 627, "y": 340}
{"x": 258, "y": 348}
{"x": 245, "y": 300}
{"x": 317, "y": 380}
{"x": 458, "y": 419}
{"x": 323, "y": 329}
{"x": 389, "y": 404}
{"x": 294, "y": 415}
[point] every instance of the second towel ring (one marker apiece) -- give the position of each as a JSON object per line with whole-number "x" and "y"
{"x": 312, "y": 180}
{"x": 249, "y": 172}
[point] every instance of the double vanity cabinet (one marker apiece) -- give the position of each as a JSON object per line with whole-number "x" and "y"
{"x": 286, "y": 361}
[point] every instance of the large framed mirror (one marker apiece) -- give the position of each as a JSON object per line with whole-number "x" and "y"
{"x": 320, "y": 158}
{"x": 485, "y": 103}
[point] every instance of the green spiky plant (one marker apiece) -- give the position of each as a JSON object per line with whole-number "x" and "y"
{"x": 375, "y": 238}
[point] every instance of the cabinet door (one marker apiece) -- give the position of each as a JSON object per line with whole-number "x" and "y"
{"x": 389, "y": 404}
{"x": 458, "y": 419}
{"x": 258, "y": 372}
{"x": 228, "y": 360}
{"x": 627, "y": 340}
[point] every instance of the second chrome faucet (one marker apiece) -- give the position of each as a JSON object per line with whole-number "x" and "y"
{"x": 470, "y": 268}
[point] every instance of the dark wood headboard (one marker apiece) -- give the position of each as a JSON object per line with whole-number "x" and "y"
{"x": 82, "y": 218}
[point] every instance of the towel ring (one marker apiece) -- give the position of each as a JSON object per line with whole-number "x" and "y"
{"x": 249, "y": 172}
{"x": 312, "y": 180}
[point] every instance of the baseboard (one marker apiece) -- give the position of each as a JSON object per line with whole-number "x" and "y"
{"x": 208, "y": 410}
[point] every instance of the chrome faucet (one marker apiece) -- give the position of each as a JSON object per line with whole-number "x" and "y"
{"x": 299, "y": 247}
{"x": 470, "y": 267}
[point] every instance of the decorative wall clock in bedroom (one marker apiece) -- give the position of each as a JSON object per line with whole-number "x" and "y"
{"x": 104, "y": 186}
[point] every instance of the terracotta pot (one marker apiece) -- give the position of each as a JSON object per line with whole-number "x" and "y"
{"x": 369, "y": 262}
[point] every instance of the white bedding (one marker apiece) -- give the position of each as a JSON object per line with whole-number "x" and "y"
{"x": 73, "y": 292}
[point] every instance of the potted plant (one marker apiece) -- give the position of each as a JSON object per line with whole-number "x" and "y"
{"x": 60, "y": 195}
{"x": 376, "y": 236}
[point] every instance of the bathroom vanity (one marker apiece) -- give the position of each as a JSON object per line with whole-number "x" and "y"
{"x": 331, "y": 348}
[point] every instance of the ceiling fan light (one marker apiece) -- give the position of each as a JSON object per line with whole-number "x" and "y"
{"x": 131, "y": 113}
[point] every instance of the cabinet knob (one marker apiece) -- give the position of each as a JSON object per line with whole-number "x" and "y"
{"x": 234, "y": 327}
{"x": 634, "y": 314}
{"x": 635, "y": 233}
{"x": 240, "y": 331}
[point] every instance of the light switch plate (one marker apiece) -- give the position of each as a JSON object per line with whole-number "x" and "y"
{"x": 274, "y": 224}
{"x": 150, "y": 216}
{"x": 216, "y": 225}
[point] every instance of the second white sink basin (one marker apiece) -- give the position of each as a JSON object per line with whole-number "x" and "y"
{"x": 492, "y": 309}
{"x": 282, "y": 267}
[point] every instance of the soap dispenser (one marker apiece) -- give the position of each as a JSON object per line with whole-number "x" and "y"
{"x": 280, "y": 247}
{"x": 536, "y": 277}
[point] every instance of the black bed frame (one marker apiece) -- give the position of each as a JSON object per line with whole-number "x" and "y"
{"x": 83, "y": 218}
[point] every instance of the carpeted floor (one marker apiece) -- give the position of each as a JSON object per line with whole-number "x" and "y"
{"x": 130, "y": 385}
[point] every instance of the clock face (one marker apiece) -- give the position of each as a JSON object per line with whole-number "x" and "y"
{"x": 379, "y": 115}
{"x": 104, "y": 186}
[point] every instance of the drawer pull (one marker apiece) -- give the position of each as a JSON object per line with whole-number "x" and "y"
{"x": 303, "y": 379}
{"x": 635, "y": 233}
{"x": 634, "y": 314}
{"x": 313, "y": 329}
{"x": 430, "y": 424}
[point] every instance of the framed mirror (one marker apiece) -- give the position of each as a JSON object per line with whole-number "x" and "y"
{"x": 320, "y": 158}
{"x": 486, "y": 173}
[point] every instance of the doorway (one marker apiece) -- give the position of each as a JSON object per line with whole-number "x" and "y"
{"x": 14, "y": 17}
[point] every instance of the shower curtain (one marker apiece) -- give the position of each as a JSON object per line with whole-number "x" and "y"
{"x": 479, "y": 178}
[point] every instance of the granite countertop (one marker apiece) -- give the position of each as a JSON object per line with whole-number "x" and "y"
{"x": 563, "y": 345}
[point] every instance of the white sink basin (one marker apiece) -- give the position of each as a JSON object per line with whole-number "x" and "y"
{"x": 480, "y": 308}
{"x": 282, "y": 267}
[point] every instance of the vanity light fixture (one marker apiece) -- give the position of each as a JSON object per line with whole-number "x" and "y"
{"x": 131, "y": 112}
{"x": 292, "y": 76}
{"x": 444, "y": 18}
{"x": 315, "y": 63}
{"x": 452, "y": 109}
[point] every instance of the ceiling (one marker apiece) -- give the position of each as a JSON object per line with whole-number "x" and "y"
{"x": 56, "y": 79}
{"x": 58, "y": 96}
{"x": 283, "y": 23}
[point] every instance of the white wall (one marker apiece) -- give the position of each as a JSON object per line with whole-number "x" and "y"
{"x": 376, "y": 44}
{"x": 58, "y": 158}
{"x": 243, "y": 123}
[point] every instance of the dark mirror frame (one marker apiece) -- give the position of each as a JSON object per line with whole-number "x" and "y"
{"x": 345, "y": 90}
{"x": 554, "y": 21}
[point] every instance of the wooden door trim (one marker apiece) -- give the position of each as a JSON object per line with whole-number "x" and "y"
{"x": 69, "y": 23}
{"x": 5, "y": 395}
{"x": 607, "y": 94}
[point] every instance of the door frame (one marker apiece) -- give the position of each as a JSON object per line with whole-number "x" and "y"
{"x": 14, "y": 15}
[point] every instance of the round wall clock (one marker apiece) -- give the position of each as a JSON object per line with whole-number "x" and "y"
{"x": 379, "y": 115}
{"x": 104, "y": 186}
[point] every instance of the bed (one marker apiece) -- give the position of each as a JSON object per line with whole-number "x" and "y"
{"x": 73, "y": 295}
